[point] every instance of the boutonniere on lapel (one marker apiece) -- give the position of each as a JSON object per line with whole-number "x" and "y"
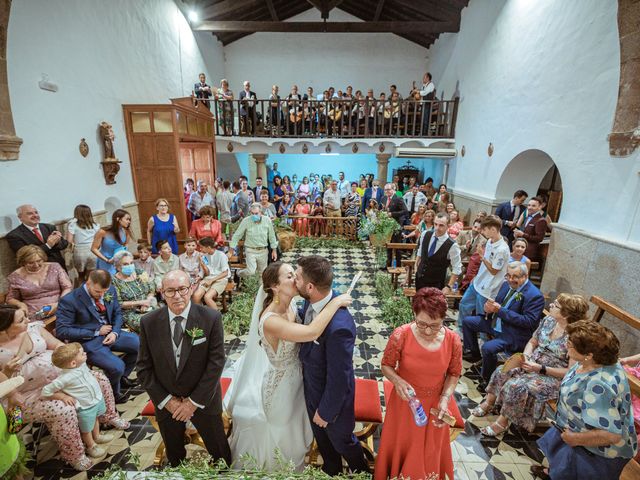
{"x": 107, "y": 297}
{"x": 517, "y": 296}
{"x": 197, "y": 335}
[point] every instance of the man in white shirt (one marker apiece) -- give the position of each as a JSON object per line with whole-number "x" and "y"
{"x": 343, "y": 186}
{"x": 332, "y": 201}
{"x": 194, "y": 337}
{"x": 487, "y": 282}
{"x": 436, "y": 252}
{"x": 414, "y": 198}
{"x": 199, "y": 199}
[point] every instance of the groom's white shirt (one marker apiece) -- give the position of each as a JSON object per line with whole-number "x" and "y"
{"x": 317, "y": 308}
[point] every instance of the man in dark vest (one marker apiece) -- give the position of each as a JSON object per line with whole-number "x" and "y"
{"x": 436, "y": 252}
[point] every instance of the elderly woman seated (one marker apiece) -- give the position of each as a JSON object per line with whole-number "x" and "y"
{"x": 595, "y": 436}
{"x": 25, "y": 349}
{"x": 37, "y": 282}
{"x": 523, "y": 392}
{"x": 135, "y": 290}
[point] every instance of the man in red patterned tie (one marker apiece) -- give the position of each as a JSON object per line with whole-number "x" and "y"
{"x": 32, "y": 232}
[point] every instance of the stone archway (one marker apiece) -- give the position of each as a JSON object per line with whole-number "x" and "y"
{"x": 9, "y": 142}
{"x": 533, "y": 171}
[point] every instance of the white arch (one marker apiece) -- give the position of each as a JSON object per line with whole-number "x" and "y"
{"x": 524, "y": 172}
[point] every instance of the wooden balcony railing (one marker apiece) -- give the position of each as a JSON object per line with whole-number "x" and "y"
{"x": 335, "y": 118}
{"x": 316, "y": 226}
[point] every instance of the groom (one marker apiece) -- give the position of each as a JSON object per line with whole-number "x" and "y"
{"x": 329, "y": 382}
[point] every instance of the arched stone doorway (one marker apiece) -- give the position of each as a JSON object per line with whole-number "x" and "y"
{"x": 535, "y": 172}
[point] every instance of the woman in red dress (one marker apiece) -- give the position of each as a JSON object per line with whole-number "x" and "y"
{"x": 303, "y": 210}
{"x": 426, "y": 357}
{"x": 207, "y": 226}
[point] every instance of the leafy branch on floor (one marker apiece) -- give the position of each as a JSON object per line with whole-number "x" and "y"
{"x": 237, "y": 320}
{"x": 395, "y": 308}
{"x": 200, "y": 468}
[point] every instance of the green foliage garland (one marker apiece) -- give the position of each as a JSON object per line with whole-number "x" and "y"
{"x": 237, "y": 320}
{"x": 395, "y": 308}
{"x": 322, "y": 242}
{"x": 201, "y": 468}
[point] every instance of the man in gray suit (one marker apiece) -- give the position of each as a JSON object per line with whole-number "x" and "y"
{"x": 170, "y": 338}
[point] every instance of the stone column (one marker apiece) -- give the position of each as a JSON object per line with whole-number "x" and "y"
{"x": 383, "y": 164}
{"x": 261, "y": 166}
{"x": 9, "y": 142}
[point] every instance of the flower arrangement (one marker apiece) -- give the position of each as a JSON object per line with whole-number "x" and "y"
{"x": 378, "y": 227}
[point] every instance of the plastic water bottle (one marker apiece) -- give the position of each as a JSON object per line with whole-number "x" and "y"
{"x": 419, "y": 415}
{"x": 455, "y": 287}
{"x": 394, "y": 263}
{"x": 43, "y": 312}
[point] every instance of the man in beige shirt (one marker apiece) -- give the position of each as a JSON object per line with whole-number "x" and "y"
{"x": 332, "y": 201}
{"x": 259, "y": 235}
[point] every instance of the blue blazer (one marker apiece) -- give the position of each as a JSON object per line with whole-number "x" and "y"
{"x": 521, "y": 318}
{"x": 77, "y": 319}
{"x": 505, "y": 212}
{"x": 329, "y": 380}
{"x": 368, "y": 194}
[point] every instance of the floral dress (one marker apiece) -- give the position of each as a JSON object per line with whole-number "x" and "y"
{"x": 60, "y": 419}
{"x": 523, "y": 396}
{"x": 225, "y": 111}
{"x": 132, "y": 291}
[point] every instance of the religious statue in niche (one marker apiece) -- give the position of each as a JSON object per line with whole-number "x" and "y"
{"x": 110, "y": 164}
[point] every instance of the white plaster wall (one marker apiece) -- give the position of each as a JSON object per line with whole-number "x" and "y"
{"x": 101, "y": 55}
{"x": 321, "y": 60}
{"x": 542, "y": 75}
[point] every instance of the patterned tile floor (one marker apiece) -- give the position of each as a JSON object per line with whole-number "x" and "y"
{"x": 476, "y": 457}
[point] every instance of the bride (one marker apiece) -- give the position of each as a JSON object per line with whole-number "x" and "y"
{"x": 266, "y": 397}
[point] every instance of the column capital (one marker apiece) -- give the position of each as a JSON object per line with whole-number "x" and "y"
{"x": 383, "y": 157}
{"x": 260, "y": 157}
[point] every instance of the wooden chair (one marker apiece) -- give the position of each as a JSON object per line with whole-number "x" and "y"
{"x": 191, "y": 435}
{"x": 368, "y": 412}
{"x": 227, "y": 296}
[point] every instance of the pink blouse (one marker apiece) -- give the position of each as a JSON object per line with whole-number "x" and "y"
{"x": 35, "y": 297}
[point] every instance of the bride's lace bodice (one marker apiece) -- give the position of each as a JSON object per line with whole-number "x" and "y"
{"x": 284, "y": 362}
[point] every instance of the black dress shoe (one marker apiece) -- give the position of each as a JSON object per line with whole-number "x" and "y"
{"x": 123, "y": 398}
{"x": 538, "y": 471}
{"x": 471, "y": 357}
{"x": 128, "y": 382}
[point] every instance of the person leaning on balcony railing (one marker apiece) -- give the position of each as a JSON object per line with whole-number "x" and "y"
{"x": 224, "y": 96}
{"x": 248, "y": 109}
{"x": 275, "y": 111}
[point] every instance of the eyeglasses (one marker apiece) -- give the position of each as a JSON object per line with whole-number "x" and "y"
{"x": 171, "y": 292}
{"x": 427, "y": 327}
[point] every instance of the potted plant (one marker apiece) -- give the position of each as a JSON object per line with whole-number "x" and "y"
{"x": 378, "y": 228}
{"x": 286, "y": 236}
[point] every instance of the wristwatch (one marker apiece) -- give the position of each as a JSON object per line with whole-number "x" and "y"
{"x": 543, "y": 370}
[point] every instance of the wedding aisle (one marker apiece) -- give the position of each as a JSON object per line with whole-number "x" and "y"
{"x": 475, "y": 457}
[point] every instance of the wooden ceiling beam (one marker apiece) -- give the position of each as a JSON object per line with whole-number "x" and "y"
{"x": 325, "y": 6}
{"x": 272, "y": 11}
{"x": 379, "y": 8}
{"x": 437, "y": 11}
{"x": 228, "y": 6}
{"x": 331, "y": 27}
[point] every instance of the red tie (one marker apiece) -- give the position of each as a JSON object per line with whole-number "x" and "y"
{"x": 100, "y": 307}
{"x": 388, "y": 202}
{"x": 36, "y": 232}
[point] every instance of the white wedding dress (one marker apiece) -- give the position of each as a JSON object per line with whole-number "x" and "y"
{"x": 266, "y": 402}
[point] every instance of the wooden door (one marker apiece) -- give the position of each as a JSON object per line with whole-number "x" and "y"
{"x": 196, "y": 161}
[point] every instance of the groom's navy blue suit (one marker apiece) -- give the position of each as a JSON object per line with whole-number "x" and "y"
{"x": 329, "y": 389}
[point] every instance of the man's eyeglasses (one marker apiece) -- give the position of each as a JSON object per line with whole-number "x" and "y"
{"x": 171, "y": 292}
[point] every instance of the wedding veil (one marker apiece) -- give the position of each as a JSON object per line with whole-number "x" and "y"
{"x": 244, "y": 397}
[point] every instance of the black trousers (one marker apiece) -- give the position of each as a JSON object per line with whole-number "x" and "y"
{"x": 209, "y": 427}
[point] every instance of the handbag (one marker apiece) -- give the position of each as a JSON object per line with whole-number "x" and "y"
{"x": 15, "y": 420}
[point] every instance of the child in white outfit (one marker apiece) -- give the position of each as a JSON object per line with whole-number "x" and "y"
{"x": 77, "y": 386}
